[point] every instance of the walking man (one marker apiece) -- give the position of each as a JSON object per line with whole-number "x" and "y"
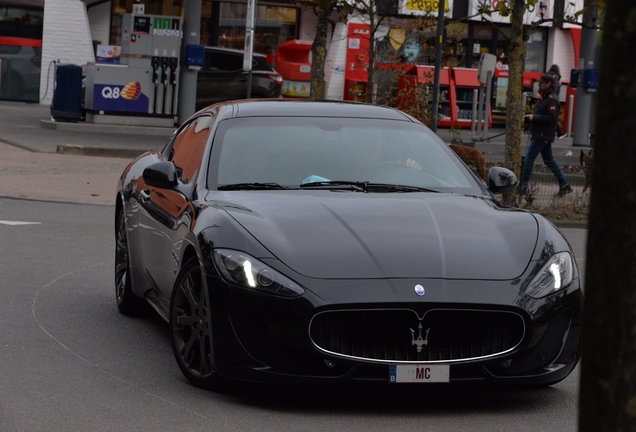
{"x": 543, "y": 128}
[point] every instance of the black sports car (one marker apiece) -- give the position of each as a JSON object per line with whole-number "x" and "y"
{"x": 298, "y": 241}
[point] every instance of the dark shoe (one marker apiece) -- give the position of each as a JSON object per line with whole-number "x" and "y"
{"x": 563, "y": 192}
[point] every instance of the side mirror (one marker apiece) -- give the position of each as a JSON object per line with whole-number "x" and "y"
{"x": 161, "y": 174}
{"x": 501, "y": 180}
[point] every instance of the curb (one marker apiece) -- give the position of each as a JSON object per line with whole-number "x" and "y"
{"x": 107, "y": 128}
{"x": 80, "y": 150}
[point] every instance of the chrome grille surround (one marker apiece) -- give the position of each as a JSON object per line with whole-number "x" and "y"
{"x": 390, "y": 336}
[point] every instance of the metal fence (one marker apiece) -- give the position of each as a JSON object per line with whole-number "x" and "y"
{"x": 541, "y": 193}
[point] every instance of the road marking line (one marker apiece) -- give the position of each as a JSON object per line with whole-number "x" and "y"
{"x": 3, "y": 222}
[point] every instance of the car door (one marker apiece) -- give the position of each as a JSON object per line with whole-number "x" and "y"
{"x": 166, "y": 215}
{"x": 221, "y": 78}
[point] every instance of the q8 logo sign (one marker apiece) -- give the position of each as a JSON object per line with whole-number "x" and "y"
{"x": 120, "y": 98}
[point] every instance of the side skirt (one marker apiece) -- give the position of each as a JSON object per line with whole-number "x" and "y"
{"x": 159, "y": 303}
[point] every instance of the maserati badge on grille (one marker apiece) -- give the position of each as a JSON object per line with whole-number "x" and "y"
{"x": 419, "y": 290}
{"x": 419, "y": 342}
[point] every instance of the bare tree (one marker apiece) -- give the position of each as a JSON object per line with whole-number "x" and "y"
{"x": 323, "y": 10}
{"x": 608, "y": 375}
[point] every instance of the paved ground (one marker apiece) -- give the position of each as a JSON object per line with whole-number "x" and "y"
{"x": 45, "y": 160}
{"x": 32, "y": 168}
{"x": 57, "y": 177}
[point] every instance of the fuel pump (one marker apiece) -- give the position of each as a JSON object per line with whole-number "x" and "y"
{"x": 145, "y": 81}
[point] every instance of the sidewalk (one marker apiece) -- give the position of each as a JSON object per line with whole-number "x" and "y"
{"x": 57, "y": 177}
{"x": 32, "y": 168}
{"x": 45, "y": 160}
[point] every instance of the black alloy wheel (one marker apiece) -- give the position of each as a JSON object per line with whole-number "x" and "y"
{"x": 190, "y": 327}
{"x": 127, "y": 302}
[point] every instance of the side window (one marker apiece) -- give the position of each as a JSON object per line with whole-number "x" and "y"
{"x": 187, "y": 148}
{"x": 222, "y": 61}
{"x": 207, "y": 61}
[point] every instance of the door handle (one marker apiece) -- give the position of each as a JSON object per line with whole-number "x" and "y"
{"x": 144, "y": 195}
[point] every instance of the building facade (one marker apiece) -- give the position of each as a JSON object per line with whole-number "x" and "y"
{"x": 71, "y": 30}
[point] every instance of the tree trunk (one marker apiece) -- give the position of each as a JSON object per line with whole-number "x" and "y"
{"x": 608, "y": 371}
{"x": 319, "y": 53}
{"x": 514, "y": 104}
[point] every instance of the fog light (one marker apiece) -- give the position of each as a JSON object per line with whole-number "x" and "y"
{"x": 329, "y": 363}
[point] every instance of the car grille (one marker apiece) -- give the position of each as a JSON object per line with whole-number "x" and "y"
{"x": 395, "y": 335}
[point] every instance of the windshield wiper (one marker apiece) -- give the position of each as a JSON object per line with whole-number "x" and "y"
{"x": 364, "y": 186}
{"x": 251, "y": 186}
{"x": 385, "y": 187}
{"x": 358, "y": 186}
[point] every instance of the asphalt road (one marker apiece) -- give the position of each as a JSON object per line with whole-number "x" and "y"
{"x": 70, "y": 362}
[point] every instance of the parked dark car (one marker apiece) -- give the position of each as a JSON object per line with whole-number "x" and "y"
{"x": 299, "y": 241}
{"x": 20, "y": 72}
{"x": 222, "y": 77}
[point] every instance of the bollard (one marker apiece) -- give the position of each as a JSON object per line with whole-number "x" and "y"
{"x": 570, "y": 112}
{"x": 473, "y": 115}
{"x": 487, "y": 96}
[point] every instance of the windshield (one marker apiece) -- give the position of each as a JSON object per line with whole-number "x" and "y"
{"x": 291, "y": 152}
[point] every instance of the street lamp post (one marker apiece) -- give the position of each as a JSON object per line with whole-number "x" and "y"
{"x": 249, "y": 44}
{"x": 438, "y": 64}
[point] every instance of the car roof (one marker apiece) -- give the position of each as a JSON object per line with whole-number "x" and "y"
{"x": 231, "y": 51}
{"x": 304, "y": 108}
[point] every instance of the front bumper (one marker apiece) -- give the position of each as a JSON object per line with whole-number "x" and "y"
{"x": 262, "y": 338}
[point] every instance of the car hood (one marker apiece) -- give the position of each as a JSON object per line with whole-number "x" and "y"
{"x": 342, "y": 235}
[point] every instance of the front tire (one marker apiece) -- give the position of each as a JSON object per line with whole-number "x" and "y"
{"x": 190, "y": 327}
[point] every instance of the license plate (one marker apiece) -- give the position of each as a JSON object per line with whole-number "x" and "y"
{"x": 412, "y": 373}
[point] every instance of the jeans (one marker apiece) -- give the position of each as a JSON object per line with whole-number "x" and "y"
{"x": 545, "y": 149}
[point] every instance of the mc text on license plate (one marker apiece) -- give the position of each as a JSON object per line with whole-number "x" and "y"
{"x": 413, "y": 373}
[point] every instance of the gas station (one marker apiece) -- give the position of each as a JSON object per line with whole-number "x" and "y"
{"x": 144, "y": 86}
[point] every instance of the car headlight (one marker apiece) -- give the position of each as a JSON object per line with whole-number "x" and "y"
{"x": 553, "y": 276}
{"x": 246, "y": 271}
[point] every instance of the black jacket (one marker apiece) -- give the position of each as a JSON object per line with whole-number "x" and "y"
{"x": 545, "y": 117}
{"x": 557, "y": 81}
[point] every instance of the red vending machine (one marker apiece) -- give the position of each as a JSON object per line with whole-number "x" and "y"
{"x": 456, "y": 86}
{"x": 294, "y": 65}
{"x": 416, "y": 75}
{"x": 464, "y": 82}
{"x": 355, "y": 88}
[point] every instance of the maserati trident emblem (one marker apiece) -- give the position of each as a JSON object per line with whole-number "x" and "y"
{"x": 419, "y": 342}
{"x": 419, "y": 290}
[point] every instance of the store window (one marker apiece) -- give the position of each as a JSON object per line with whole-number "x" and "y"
{"x": 502, "y": 45}
{"x": 455, "y": 45}
{"x": 482, "y": 40}
{"x": 20, "y": 53}
{"x": 536, "y": 52}
{"x": 414, "y": 41}
{"x": 223, "y": 25}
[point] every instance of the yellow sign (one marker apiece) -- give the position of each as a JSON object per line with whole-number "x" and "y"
{"x": 426, "y": 5}
{"x": 397, "y": 37}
